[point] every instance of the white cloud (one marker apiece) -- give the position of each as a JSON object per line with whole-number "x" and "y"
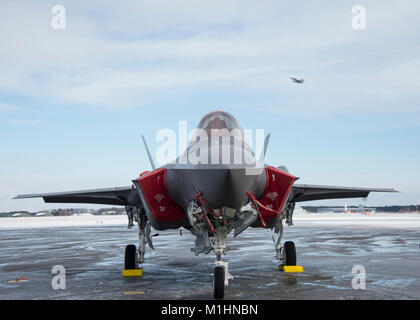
{"x": 117, "y": 54}
{"x": 114, "y": 55}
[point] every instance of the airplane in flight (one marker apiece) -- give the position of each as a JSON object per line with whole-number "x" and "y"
{"x": 297, "y": 80}
{"x": 211, "y": 196}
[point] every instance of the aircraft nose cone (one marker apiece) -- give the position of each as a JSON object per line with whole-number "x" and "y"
{"x": 227, "y": 188}
{"x": 220, "y": 187}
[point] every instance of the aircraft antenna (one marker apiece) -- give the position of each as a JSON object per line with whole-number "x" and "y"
{"x": 148, "y": 153}
{"x": 262, "y": 156}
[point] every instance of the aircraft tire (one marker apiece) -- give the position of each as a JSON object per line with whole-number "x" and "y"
{"x": 290, "y": 253}
{"x": 130, "y": 257}
{"x": 219, "y": 283}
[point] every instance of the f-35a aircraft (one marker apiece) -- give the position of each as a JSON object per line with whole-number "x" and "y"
{"x": 297, "y": 80}
{"x": 212, "y": 196}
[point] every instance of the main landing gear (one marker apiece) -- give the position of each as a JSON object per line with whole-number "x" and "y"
{"x": 133, "y": 258}
{"x": 285, "y": 254}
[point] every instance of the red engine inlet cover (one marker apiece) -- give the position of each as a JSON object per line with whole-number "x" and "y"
{"x": 277, "y": 190}
{"x": 161, "y": 206}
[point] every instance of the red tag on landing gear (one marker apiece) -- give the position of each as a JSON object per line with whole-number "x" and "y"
{"x": 277, "y": 190}
{"x": 161, "y": 206}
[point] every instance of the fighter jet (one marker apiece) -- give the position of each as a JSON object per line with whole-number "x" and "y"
{"x": 297, "y": 80}
{"x": 218, "y": 185}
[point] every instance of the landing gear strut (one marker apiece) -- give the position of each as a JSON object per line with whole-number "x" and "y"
{"x": 141, "y": 220}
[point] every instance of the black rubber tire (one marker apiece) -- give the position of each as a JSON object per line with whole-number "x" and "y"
{"x": 290, "y": 251}
{"x": 130, "y": 257}
{"x": 219, "y": 283}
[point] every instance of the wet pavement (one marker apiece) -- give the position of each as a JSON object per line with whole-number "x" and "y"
{"x": 93, "y": 260}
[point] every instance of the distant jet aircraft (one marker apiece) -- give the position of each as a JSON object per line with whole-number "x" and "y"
{"x": 297, "y": 80}
{"x": 211, "y": 199}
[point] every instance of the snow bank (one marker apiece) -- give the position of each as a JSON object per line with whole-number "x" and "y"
{"x": 62, "y": 221}
{"x": 378, "y": 220}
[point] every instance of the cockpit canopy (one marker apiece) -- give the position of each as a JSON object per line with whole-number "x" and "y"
{"x": 218, "y": 120}
{"x": 218, "y": 140}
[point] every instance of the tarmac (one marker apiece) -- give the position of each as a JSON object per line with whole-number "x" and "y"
{"x": 93, "y": 256}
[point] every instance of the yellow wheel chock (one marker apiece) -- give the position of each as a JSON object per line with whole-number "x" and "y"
{"x": 132, "y": 272}
{"x": 290, "y": 268}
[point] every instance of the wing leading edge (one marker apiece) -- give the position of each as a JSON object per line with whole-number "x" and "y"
{"x": 306, "y": 192}
{"x": 114, "y": 196}
{"x": 125, "y": 196}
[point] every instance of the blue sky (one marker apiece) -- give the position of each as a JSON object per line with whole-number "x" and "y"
{"x": 74, "y": 102}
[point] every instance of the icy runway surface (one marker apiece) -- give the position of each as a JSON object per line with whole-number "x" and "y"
{"x": 328, "y": 246}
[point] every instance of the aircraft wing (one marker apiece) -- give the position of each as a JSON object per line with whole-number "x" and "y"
{"x": 307, "y": 192}
{"x": 114, "y": 196}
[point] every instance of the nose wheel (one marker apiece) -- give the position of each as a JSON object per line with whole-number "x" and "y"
{"x": 219, "y": 283}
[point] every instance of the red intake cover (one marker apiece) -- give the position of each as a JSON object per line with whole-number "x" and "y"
{"x": 277, "y": 190}
{"x": 162, "y": 207}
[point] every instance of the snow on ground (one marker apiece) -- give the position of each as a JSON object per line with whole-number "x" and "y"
{"x": 300, "y": 219}
{"x": 62, "y": 221}
{"x": 376, "y": 220}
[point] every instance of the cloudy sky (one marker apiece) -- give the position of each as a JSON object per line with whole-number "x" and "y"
{"x": 74, "y": 102}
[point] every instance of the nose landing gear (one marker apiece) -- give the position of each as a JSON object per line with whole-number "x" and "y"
{"x": 221, "y": 275}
